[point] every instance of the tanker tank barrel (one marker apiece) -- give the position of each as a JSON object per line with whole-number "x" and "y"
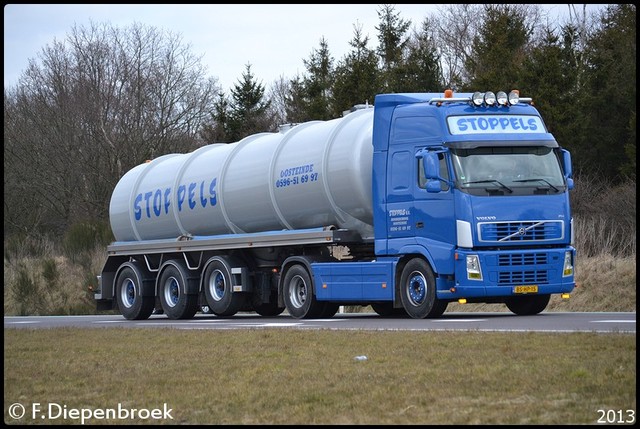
{"x": 305, "y": 175}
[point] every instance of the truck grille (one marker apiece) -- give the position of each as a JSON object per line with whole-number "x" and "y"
{"x": 517, "y": 232}
{"x": 522, "y": 268}
{"x": 522, "y": 277}
{"x": 512, "y": 259}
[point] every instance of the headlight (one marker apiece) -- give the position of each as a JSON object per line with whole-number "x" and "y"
{"x": 567, "y": 269}
{"x": 473, "y": 268}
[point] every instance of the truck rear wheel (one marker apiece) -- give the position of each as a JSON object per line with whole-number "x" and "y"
{"x": 176, "y": 303}
{"x": 131, "y": 303}
{"x": 527, "y": 305}
{"x": 418, "y": 291}
{"x": 218, "y": 289}
{"x": 298, "y": 294}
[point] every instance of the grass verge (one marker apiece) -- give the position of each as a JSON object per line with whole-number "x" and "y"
{"x": 286, "y": 376}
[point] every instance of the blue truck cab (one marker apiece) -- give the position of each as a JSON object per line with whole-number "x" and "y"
{"x": 470, "y": 203}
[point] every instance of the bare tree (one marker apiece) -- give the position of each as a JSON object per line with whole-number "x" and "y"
{"x": 579, "y": 28}
{"x": 453, "y": 31}
{"x": 278, "y": 94}
{"x": 98, "y": 104}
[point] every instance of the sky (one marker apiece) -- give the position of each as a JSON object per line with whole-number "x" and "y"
{"x": 273, "y": 38}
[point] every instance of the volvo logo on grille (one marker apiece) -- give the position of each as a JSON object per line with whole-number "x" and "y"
{"x": 522, "y": 231}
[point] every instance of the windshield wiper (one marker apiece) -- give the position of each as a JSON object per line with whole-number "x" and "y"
{"x": 490, "y": 181}
{"x": 538, "y": 180}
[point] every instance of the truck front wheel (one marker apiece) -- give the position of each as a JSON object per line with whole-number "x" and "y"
{"x": 132, "y": 304}
{"x": 298, "y": 294}
{"x": 418, "y": 291}
{"x": 527, "y": 305}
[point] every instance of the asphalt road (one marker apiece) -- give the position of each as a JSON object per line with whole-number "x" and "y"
{"x": 491, "y": 322}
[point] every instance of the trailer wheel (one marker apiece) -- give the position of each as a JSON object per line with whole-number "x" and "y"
{"x": 299, "y": 299}
{"x": 132, "y": 304}
{"x": 418, "y": 291}
{"x": 527, "y": 305}
{"x": 176, "y": 303}
{"x": 218, "y": 289}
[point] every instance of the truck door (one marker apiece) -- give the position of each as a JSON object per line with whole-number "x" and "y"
{"x": 434, "y": 212}
{"x": 400, "y": 178}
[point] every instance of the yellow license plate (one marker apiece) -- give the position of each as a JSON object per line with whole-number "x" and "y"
{"x": 526, "y": 289}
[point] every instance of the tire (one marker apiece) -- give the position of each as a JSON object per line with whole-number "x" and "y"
{"x": 418, "y": 291}
{"x": 527, "y": 305}
{"x": 386, "y": 309}
{"x": 218, "y": 289}
{"x": 299, "y": 298}
{"x": 171, "y": 287}
{"x": 131, "y": 303}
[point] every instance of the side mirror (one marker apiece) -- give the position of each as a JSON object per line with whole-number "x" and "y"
{"x": 431, "y": 166}
{"x": 567, "y": 167}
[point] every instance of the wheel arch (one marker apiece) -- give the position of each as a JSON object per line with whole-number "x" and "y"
{"x": 304, "y": 260}
{"x": 414, "y": 251}
{"x": 145, "y": 278}
{"x": 400, "y": 267}
{"x": 190, "y": 282}
{"x": 229, "y": 262}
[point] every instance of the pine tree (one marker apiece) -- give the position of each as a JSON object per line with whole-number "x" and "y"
{"x": 391, "y": 49}
{"x": 422, "y": 71}
{"x": 356, "y": 76}
{"x": 499, "y": 48}
{"x": 247, "y": 108}
{"x": 609, "y": 138}
{"x": 317, "y": 83}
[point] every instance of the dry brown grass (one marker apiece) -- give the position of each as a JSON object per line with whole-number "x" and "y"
{"x": 67, "y": 293}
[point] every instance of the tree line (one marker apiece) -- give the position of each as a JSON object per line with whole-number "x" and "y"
{"x": 106, "y": 99}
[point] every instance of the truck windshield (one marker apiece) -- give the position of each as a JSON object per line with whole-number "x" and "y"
{"x": 508, "y": 170}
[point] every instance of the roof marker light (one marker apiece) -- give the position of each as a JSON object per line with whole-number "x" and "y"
{"x": 448, "y": 93}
